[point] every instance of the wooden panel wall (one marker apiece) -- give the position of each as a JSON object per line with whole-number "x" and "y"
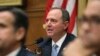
{"x": 35, "y": 10}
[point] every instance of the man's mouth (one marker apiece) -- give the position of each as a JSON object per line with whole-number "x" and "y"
{"x": 49, "y": 30}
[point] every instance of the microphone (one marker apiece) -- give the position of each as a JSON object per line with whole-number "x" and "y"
{"x": 38, "y": 41}
{"x": 44, "y": 42}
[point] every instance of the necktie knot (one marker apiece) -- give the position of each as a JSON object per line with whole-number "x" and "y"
{"x": 55, "y": 47}
{"x": 54, "y": 50}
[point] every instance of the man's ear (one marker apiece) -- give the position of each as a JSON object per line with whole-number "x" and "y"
{"x": 20, "y": 34}
{"x": 66, "y": 23}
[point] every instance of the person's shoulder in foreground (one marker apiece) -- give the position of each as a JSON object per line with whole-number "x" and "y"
{"x": 13, "y": 31}
{"x": 25, "y": 52}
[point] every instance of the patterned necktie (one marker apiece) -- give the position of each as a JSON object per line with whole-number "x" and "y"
{"x": 54, "y": 50}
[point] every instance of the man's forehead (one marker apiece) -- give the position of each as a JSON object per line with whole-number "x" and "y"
{"x": 6, "y": 16}
{"x": 93, "y": 7}
{"x": 94, "y": 4}
{"x": 55, "y": 12}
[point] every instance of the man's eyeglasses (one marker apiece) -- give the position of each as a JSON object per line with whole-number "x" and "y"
{"x": 90, "y": 20}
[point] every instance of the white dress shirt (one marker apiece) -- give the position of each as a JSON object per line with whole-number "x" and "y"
{"x": 15, "y": 52}
{"x": 59, "y": 42}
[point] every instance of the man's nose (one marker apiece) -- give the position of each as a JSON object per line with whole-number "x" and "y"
{"x": 85, "y": 27}
{"x": 48, "y": 23}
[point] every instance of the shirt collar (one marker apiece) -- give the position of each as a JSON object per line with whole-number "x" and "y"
{"x": 15, "y": 52}
{"x": 60, "y": 41}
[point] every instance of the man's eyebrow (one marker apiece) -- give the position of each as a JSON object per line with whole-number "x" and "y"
{"x": 3, "y": 25}
{"x": 95, "y": 16}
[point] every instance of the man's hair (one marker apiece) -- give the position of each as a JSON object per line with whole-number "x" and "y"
{"x": 65, "y": 14}
{"x": 21, "y": 19}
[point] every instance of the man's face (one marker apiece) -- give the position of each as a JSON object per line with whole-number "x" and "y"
{"x": 55, "y": 24}
{"x": 90, "y": 25}
{"x": 7, "y": 32}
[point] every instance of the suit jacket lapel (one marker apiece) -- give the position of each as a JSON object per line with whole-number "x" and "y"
{"x": 68, "y": 38}
{"x": 24, "y": 52}
{"x": 21, "y": 52}
{"x": 47, "y": 49}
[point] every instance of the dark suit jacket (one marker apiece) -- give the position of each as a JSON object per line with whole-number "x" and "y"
{"x": 47, "y": 48}
{"x": 24, "y": 52}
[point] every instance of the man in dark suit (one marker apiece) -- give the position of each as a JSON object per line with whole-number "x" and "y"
{"x": 88, "y": 41}
{"x": 56, "y": 24}
{"x": 13, "y": 30}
